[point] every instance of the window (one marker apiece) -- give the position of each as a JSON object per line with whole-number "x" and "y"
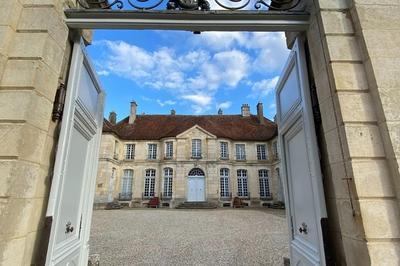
{"x": 224, "y": 182}
{"x": 169, "y": 149}
{"x": 126, "y": 189}
{"x": 152, "y": 152}
{"x": 275, "y": 149}
{"x": 242, "y": 183}
{"x": 261, "y": 152}
{"x": 264, "y": 183}
{"x": 130, "y": 151}
{"x": 116, "y": 150}
{"x": 196, "y": 148}
{"x": 168, "y": 173}
{"x": 224, "y": 150}
{"x": 149, "y": 183}
{"x": 240, "y": 152}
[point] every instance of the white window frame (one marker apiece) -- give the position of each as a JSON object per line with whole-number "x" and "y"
{"x": 127, "y": 182}
{"x": 169, "y": 149}
{"x": 149, "y": 183}
{"x": 130, "y": 151}
{"x": 224, "y": 152}
{"x": 196, "y": 148}
{"x": 242, "y": 180}
{"x": 265, "y": 188}
{"x": 240, "y": 153}
{"x": 168, "y": 181}
{"x": 262, "y": 155}
{"x": 224, "y": 191}
{"x": 151, "y": 151}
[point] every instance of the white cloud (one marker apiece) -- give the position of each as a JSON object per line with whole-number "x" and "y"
{"x": 224, "y": 105}
{"x": 165, "y": 103}
{"x": 201, "y": 103}
{"x": 263, "y": 87}
{"x": 103, "y": 73}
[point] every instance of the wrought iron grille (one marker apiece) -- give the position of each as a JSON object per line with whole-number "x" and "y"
{"x": 279, "y": 5}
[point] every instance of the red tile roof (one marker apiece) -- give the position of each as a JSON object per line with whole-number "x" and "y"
{"x": 155, "y": 127}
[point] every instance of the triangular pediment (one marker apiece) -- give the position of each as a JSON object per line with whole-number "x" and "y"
{"x": 196, "y": 131}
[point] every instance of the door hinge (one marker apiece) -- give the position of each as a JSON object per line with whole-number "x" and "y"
{"x": 59, "y": 102}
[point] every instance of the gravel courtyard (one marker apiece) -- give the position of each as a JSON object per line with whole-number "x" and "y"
{"x": 189, "y": 237}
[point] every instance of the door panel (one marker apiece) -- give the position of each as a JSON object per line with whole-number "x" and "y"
{"x": 72, "y": 191}
{"x": 196, "y": 188}
{"x": 301, "y": 171}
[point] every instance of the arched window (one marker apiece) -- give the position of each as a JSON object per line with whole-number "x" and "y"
{"x": 196, "y": 172}
{"x": 224, "y": 182}
{"x": 149, "y": 183}
{"x": 168, "y": 174}
{"x": 242, "y": 183}
{"x": 126, "y": 186}
{"x": 264, "y": 183}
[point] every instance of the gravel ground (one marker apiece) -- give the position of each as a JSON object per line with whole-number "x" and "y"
{"x": 189, "y": 237}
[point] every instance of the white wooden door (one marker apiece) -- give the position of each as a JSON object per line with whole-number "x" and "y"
{"x": 73, "y": 185}
{"x": 300, "y": 161}
{"x": 196, "y": 188}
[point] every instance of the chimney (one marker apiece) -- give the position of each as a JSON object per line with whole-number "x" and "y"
{"x": 220, "y": 111}
{"x": 245, "y": 109}
{"x": 132, "y": 115}
{"x": 112, "y": 117}
{"x": 173, "y": 112}
{"x": 260, "y": 113}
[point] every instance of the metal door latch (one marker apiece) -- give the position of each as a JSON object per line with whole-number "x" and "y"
{"x": 303, "y": 229}
{"x": 69, "y": 228}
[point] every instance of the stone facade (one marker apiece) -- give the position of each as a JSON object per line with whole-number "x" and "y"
{"x": 113, "y": 162}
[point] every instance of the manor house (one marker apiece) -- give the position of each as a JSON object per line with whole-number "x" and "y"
{"x": 189, "y": 158}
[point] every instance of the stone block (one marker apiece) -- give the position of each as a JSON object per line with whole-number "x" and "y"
{"x": 9, "y": 13}
{"x": 328, "y": 115}
{"x": 390, "y": 100}
{"x": 350, "y": 225}
{"x": 335, "y": 4}
{"x": 356, "y": 251}
{"x": 25, "y": 105}
{"x": 372, "y": 178}
{"x": 18, "y": 213}
{"x": 12, "y": 251}
{"x": 363, "y": 140}
{"x": 20, "y": 179}
{"x": 383, "y": 72}
{"x": 337, "y": 22}
{"x": 44, "y": 19}
{"x": 382, "y": 43}
{"x": 378, "y": 218}
{"x": 323, "y": 84}
{"x": 37, "y": 45}
{"x": 384, "y": 253}
{"x": 49, "y": 152}
{"x": 394, "y": 135}
{"x": 356, "y": 107}
{"x": 333, "y": 146}
{"x": 378, "y": 17}
{"x": 30, "y": 74}
{"x": 6, "y": 33}
{"x": 343, "y": 48}
{"x": 349, "y": 76}
{"x": 338, "y": 182}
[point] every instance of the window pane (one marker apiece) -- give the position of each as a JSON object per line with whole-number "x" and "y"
{"x": 240, "y": 152}
{"x": 168, "y": 182}
{"x": 129, "y": 151}
{"x": 196, "y": 148}
{"x": 152, "y": 151}
{"x": 261, "y": 152}
{"x": 264, "y": 183}
{"x": 149, "y": 183}
{"x": 242, "y": 183}
{"x": 127, "y": 182}
{"x": 224, "y": 150}
{"x": 224, "y": 183}
{"x": 169, "y": 149}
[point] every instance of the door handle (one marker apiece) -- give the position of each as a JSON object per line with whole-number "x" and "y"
{"x": 69, "y": 228}
{"x": 303, "y": 229}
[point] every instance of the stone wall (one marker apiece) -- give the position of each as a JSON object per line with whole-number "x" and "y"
{"x": 34, "y": 52}
{"x": 358, "y": 126}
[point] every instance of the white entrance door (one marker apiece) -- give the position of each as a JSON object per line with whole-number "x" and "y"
{"x": 300, "y": 161}
{"x": 72, "y": 190}
{"x": 196, "y": 188}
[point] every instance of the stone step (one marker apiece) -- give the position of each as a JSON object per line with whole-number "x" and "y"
{"x": 196, "y": 205}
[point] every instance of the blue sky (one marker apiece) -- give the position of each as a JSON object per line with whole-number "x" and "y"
{"x": 191, "y": 73}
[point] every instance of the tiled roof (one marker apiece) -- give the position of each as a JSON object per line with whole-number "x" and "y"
{"x": 155, "y": 127}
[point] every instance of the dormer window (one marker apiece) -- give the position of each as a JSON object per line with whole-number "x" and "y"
{"x": 196, "y": 148}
